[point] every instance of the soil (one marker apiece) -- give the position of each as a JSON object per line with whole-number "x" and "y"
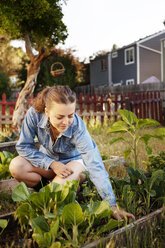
{"x": 6, "y": 203}
{"x": 12, "y": 237}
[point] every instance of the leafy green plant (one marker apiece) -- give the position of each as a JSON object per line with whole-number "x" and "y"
{"x": 156, "y": 161}
{"x": 57, "y": 219}
{"x": 131, "y": 125}
{"x": 7, "y": 136}
{"x": 138, "y": 193}
{"x": 5, "y": 159}
{"x": 3, "y": 224}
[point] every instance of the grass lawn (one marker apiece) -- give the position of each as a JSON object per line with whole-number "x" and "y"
{"x": 102, "y": 138}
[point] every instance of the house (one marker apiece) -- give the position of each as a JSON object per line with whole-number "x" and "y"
{"x": 131, "y": 64}
{"x": 163, "y": 60}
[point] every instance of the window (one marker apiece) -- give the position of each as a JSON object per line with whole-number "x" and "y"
{"x": 103, "y": 64}
{"x": 130, "y": 82}
{"x": 114, "y": 55}
{"x": 129, "y": 56}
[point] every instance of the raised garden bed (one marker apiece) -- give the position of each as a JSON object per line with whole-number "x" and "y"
{"x": 123, "y": 237}
{"x": 138, "y": 230}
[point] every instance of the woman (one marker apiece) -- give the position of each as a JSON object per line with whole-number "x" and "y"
{"x": 66, "y": 148}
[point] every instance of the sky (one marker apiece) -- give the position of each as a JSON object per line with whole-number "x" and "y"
{"x": 95, "y": 25}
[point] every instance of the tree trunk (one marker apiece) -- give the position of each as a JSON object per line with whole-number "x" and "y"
{"x": 26, "y": 92}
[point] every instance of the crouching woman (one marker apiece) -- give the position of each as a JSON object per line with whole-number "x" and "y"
{"x": 66, "y": 148}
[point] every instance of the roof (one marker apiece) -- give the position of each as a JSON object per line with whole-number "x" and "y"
{"x": 144, "y": 39}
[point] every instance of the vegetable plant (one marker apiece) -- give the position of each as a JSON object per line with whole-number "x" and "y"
{"x": 156, "y": 161}
{"x": 5, "y": 159}
{"x": 3, "y": 224}
{"x": 138, "y": 193}
{"x": 57, "y": 219}
{"x": 131, "y": 125}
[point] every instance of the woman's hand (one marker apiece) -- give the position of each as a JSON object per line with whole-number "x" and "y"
{"x": 120, "y": 214}
{"x": 60, "y": 169}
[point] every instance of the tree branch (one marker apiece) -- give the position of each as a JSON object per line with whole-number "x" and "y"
{"x": 28, "y": 47}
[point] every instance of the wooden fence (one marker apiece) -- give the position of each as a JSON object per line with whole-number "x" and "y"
{"x": 143, "y": 104}
{"x": 6, "y": 112}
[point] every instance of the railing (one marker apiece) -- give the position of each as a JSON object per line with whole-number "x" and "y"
{"x": 144, "y": 105}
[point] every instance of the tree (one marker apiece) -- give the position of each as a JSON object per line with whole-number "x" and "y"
{"x": 10, "y": 57}
{"x": 74, "y": 71}
{"x": 39, "y": 23}
{"x": 4, "y": 84}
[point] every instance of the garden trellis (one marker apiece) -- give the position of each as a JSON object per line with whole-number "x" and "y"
{"x": 103, "y": 107}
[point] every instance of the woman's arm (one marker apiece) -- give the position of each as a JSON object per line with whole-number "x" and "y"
{"x": 93, "y": 161}
{"x": 26, "y": 144}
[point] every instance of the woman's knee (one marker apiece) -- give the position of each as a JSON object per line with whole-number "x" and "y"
{"x": 77, "y": 174}
{"x": 17, "y": 167}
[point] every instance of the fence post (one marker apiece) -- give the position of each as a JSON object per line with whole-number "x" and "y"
{"x": 152, "y": 105}
{"x": 116, "y": 106}
{"x": 109, "y": 101}
{"x": 144, "y": 105}
{"x": 88, "y": 108}
{"x": 80, "y": 101}
{"x": 156, "y": 105}
{"x": 160, "y": 109}
{"x": 3, "y": 109}
{"x": 95, "y": 106}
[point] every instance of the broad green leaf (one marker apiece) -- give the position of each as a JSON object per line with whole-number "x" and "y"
{"x": 41, "y": 223}
{"x": 117, "y": 127}
{"x": 161, "y": 131}
{"x": 39, "y": 239}
{"x": 3, "y": 223}
{"x": 23, "y": 213}
{"x": 116, "y": 139}
{"x": 54, "y": 228}
{"x": 3, "y": 158}
{"x": 50, "y": 215}
{"x": 109, "y": 226}
{"x": 64, "y": 193}
{"x": 72, "y": 214}
{"x": 129, "y": 117}
{"x": 147, "y": 123}
{"x": 43, "y": 239}
{"x": 20, "y": 193}
{"x": 148, "y": 150}
{"x": 8, "y": 154}
{"x": 41, "y": 199}
{"x": 56, "y": 245}
{"x": 158, "y": 174}
{"x": 54, "y": 187}
{"x": 145, "y": 138}
{"x": 127, "y": 153}
{"x": 103, "y": 206}
{"x": 152, "y": 193}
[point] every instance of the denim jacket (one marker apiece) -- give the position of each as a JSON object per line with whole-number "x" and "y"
{"x": 75, "y": 143}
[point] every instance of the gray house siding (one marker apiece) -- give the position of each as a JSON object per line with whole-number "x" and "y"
{"x": 122, "y": 72}
{"x": 163, "y": 60}
{"x": 150, "y": 64}
{"x": 98, "y": 76}
{"x": 154, "y": 43}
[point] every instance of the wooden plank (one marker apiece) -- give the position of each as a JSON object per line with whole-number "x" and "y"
{"x": 120, "y": 235}
{"x": 8, "y": 185}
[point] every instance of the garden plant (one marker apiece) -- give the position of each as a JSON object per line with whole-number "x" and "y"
{"x": 5, "y": 159}
{"x": 131, "y": 125}
{"x": 57, "y": 216}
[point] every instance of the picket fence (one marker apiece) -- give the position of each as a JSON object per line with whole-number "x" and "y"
{"x": 103, "y": 107}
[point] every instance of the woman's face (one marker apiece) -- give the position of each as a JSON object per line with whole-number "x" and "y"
{"x": 61, "y": 115}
